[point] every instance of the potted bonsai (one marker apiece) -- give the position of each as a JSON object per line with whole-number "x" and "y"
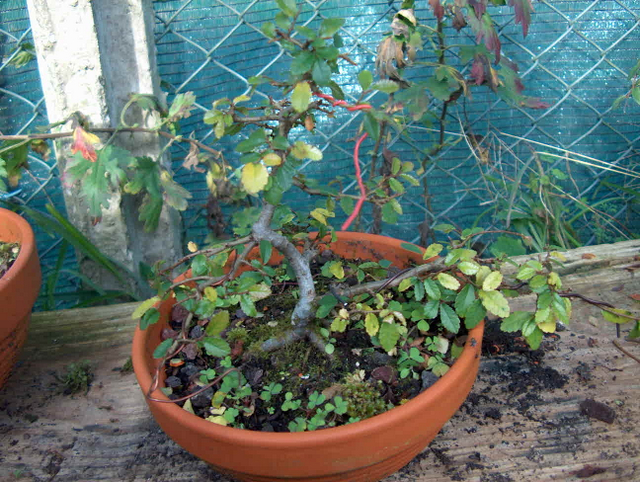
{"x": 299, "y": 351}
{"x": 19, "y": 286}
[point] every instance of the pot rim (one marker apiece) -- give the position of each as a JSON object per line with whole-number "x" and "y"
{"x": 27, "y": 245}
{"x": 354, "y": 430}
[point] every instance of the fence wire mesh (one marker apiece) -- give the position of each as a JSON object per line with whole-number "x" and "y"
{"x": 576, "y": 58}
{"x": 22, "y": 109}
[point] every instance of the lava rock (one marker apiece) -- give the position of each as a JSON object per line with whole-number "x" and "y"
{"x": 202, "y": 399}
{"x": 173, "y": 382}
{"x": 428, "y": 379}
{"x": 188, "y": 371}
{"x": 196, "y": 332}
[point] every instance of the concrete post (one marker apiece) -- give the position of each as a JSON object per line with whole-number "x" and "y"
{"x": 91, "y": 56}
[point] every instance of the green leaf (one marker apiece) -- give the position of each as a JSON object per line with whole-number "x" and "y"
{"x": 411, "y": 247}
{"x": 475, "y": 314}
{"x": 216, "y": 347}
{"x": 492, "y": 281}
{"x": 330, "y": 26}
{"x": 301, "y": 96}
{"x": 150, "y": 317}
{"x": 389, "y": 214}
{"x": 265, "y": 250}
{"x": 534, "y": 338}
{"x": 218, "y": 323}
{"x": 325, "y": 305}
{"x": 255, "y": 139}
{"x": 464, "y": 299}
{"x": 515, "y": 321}
{"x": 144, "y": 306}
{"x": 396, "y": 186}
{"x": 418, "y": 289}
{"x": 301, "y": 64}
{"x": 162, "y": 349}
{"x": 495, "y": 302}
{"x": 366, "y": 79}
{"x": 433, "y": 292}
{"x": 388, "y": 336}
{"x": 247, "y": 306}
{"x": 449, "y": 318}
{"x": 405, "y": 284}
{"x": 387, "y": 86}
{"x": 448, "y": 281}
{"x": 430, "y": 309}
{"x": 525, "y": 273}
{"x": 507, "y": 246}
{"x": 468, "y": 267}
{"x": 288, "y": 7}
{"x": 321, "y": 73}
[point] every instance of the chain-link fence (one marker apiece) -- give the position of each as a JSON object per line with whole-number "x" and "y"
{"x": 576, "y": 58}
{"x": 22, "y": 109}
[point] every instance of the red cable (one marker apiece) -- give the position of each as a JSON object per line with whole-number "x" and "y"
{"x": 363, "y": 193}
{"x": 356, "y": 154}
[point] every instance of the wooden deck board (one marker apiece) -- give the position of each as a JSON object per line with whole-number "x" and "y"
{"x": 108, "y": 434}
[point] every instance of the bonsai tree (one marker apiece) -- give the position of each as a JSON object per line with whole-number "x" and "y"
{"x": 244, "y": 329}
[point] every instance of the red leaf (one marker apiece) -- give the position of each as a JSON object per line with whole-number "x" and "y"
{"x": 477, "y": 70}
{"x": 523, "y": 10}
{"x": 438, "y": 9}
{"x": 534, "y": 103}
{"x": 479, "y": 6}
{"x": 85, "y": 142}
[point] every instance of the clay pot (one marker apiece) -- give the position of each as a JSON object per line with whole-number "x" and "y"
{"x": 363, "y": 451}
{"x": 19, "y": 289}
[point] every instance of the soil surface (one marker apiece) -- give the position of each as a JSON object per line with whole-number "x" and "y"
{"x": 8, "y": 255}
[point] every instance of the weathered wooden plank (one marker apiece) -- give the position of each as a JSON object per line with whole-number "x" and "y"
{"x": 500, "y": 433}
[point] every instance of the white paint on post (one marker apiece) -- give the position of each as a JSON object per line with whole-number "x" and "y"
{"x": 92, "y": 55}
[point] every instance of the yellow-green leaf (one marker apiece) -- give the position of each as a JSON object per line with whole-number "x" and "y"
{"x": 613, "y": 318}
{"x": 492, "y": 281}
{"x": 336, "y": 269}
{"x": 448, "y": 281}
{"x": 302, "y": 150}
{"x": 211, "y": 294}
{"x": 188, "y": 406}
{"x": 241, "y": 98}
{"x": 371, "y": 324}
{"x": 144, "y": 306}
{"x": 548, "y": 326}
{"x": 468, "y": 267}
{"x": 495, "y": 302}
{"x": 272, "y": 159}
{"x": 301, "y": 96}
{"x": 259, "y": 291}
{"x": 254, "y": 177}
{"x": 432, "y": 250}
{"x": 321, "y": 215}
{"x": 339, "y": 324}
{"x": 554, "y": 280}
{"x": 405, "y": 284}
{"x": 218, "y": 323}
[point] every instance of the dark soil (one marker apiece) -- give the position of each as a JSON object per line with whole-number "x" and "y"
{"x": 8, "y": 255}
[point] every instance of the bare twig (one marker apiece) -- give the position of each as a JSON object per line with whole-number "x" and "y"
{"x": 619, "y": 347}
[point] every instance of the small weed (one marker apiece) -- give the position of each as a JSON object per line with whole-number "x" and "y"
{"x": 77, "y": 378}
{"x": 127, "y": 367}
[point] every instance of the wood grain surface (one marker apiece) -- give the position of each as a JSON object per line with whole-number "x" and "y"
{"x": 500, "y": 434}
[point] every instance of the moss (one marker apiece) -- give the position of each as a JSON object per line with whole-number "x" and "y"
{"x": 363, "y": 399}
{"x": 236, "y": 334}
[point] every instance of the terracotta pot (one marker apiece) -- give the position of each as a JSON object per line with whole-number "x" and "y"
{"x": 363, "y": 451}
{"x": 19, "y": 289}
